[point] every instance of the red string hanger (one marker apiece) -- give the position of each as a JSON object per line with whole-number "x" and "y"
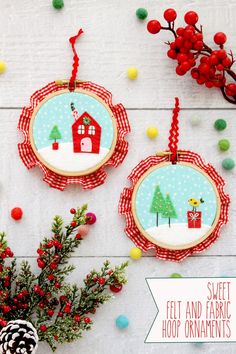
{"x": 174, "y": 132}
{"x": 75, "y": 65}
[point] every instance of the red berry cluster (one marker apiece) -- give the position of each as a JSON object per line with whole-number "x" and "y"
{"x": 207, "y": 66}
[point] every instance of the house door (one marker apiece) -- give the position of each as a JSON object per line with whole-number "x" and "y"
{"x": 86, "y": 145}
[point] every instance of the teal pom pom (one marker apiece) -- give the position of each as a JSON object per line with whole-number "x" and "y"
{"x": 122, "y": 322}
{"x": 58, "y": 4}
{"x": 141, "y": 13}
{"x": 228, "y": 164}
{"x": 220, "y": 124}
{"x": 224, "y": 144}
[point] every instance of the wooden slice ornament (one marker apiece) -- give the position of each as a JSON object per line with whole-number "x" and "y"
{"x": 72, "y": 131}
{"x": 176, "y": 204}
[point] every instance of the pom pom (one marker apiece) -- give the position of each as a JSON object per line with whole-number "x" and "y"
{"x": 228, "y": 164}
{"x": 3, "y": 67}
{"x": 58, "y": 4}
{"x": 224, "y": 144}
{"x": 83, "y": 230}
{"x": 122, "y": 322}
{"x": 18, "y": 337}
{"x": 16, "y": 213}
{"x": 152, "y": 132}
{"x": 135, "y": 253}
{"x": 175, "y": 275}
{"x": 116, "y": 288}
{"x": 91, "y": 218}
{"x": 220, "y": 124}
{"x": 132, "y": 73}
{"x": 195, "y": 121}
{"x": 141, "y": 13}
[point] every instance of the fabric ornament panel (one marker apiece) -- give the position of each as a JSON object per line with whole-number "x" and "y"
{"x": 72, "y": 131}
{"x": 176, "y": 204}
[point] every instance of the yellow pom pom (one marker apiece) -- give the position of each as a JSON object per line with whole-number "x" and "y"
{"x": 135, "y": 253}
{"x": 132, "y": 73}
{"x": 152, "y": 132}
{"x": 3, "y": 67}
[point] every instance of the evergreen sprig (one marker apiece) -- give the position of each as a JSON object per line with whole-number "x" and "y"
{"x": 59, "y": 311}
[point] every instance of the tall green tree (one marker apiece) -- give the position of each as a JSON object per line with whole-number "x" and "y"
{"x": 169, "y": 211}
{"x": 158, "y": 203}
{"x": 55, "y": 133}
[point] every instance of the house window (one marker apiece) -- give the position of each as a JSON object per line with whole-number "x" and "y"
{"x": 91, "y": 130}
{"x": 81, "y": 129}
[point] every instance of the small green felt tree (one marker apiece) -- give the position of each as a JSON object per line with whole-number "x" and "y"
{"x": 158, "y": 203}
{"x": 169, "y": 211}
{"x": 55, "y": 134}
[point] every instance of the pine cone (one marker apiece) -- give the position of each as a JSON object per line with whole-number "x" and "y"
{"x": 18, "y": 337}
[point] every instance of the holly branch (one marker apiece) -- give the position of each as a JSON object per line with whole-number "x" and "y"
{"x": 59, "y": 311}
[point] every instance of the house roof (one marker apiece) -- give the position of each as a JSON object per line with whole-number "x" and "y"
{"x": 80, "y": 120}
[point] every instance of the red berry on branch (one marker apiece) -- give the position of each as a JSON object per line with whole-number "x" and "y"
{"x": 153, "y": 26}
{"x": 179, "y": 41}
{"x": 179, "y": 71}
{"x": 188, "y": 34}
{"x": 220, "y": 38}
{"x": 230, "y": 89}
{"x": 198, "y": 45}
{"x": 213, "y": 59}
{"x": 67, "y": 308}
{"x": 41, "y": 263}
{"x": 188, "y": 44}
{"x": 73, "y": 223}
{"x": 101, "y": 281}
{"x": 40, "y": 252}
{"x": 77, "y": 318}
{"x": 78, "y": 237}
{"x": 199, "y": 36}
{"x": 221, "y": 54}
{"x": 37, "y": 289}
{"x": 182, "y": 57}
{"x": 87, "y": 320}
{"x": 72, "y": 211}
{"x": 53, "y": 266}
{"x": 209, "y": 84}
{"x": 227, "y": 62}
{"x": 172, "y": 54}
{"x": 50, "y": 312}
{"x": 185, "y": 66}
{"x": 50, "y": 244}
{"x": 220, "y": 67}
{"x": 16, "y": 213}
{"x": 57, "y": 285}
{"x": 43, "y": 328}
{"x": 180, "y": 31}
{"x": 6, "y": 308}
{"x": 204, "y": 68}
{"x": 191, "y": 18}
{"x": 170, "y": 15}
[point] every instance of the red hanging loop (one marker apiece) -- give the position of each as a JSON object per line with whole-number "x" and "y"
{"x": 75, "y": 61}
{"x": 174, "y": 132}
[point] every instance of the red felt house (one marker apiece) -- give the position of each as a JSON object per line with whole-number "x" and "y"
{"x": 86, "y": 134}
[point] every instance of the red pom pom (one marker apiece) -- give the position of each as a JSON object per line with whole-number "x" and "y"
{"x": 16, "y": 213}
{"x": 153, "y": 26}
{"x": 116, "y": 288}
{"x": 220, "y": 38}
{"x": 191, "y": 18}
{"x": 170, "y": 15}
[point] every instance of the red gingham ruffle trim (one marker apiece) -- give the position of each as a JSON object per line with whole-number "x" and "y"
{"x": 132, "y": 231}
{"x": 91, "y": 180}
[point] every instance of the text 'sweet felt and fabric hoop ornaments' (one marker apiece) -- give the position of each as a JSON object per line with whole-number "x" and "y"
{"x": 176, "y": 204}
{"x": 72, "y": 131}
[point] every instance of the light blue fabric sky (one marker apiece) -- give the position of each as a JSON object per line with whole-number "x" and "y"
{"x": 182, "y": 183}
{"x": 57, "y": 111}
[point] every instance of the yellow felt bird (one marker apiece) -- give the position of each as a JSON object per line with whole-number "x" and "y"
{"x": 193, "y": 202}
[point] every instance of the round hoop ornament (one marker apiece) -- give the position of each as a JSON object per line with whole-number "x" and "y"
{"x": 72, "y": 131}
{"x": 176, "y": 204}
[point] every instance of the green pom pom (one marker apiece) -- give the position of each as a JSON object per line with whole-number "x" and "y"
{"x": 228, "y": 164}
{"x": 175, "y": 275}
{"x": 141, "y": 13}
{"x": 224, "y": 144}
{"x": 58, "y": 4}
{"x": 220, "y": 124}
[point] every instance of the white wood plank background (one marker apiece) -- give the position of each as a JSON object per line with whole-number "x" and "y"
{"x": 34, "y": 43}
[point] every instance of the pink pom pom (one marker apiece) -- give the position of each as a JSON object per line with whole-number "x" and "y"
{"x": 83, "y": 230}
{"x": 91, "y": 218}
